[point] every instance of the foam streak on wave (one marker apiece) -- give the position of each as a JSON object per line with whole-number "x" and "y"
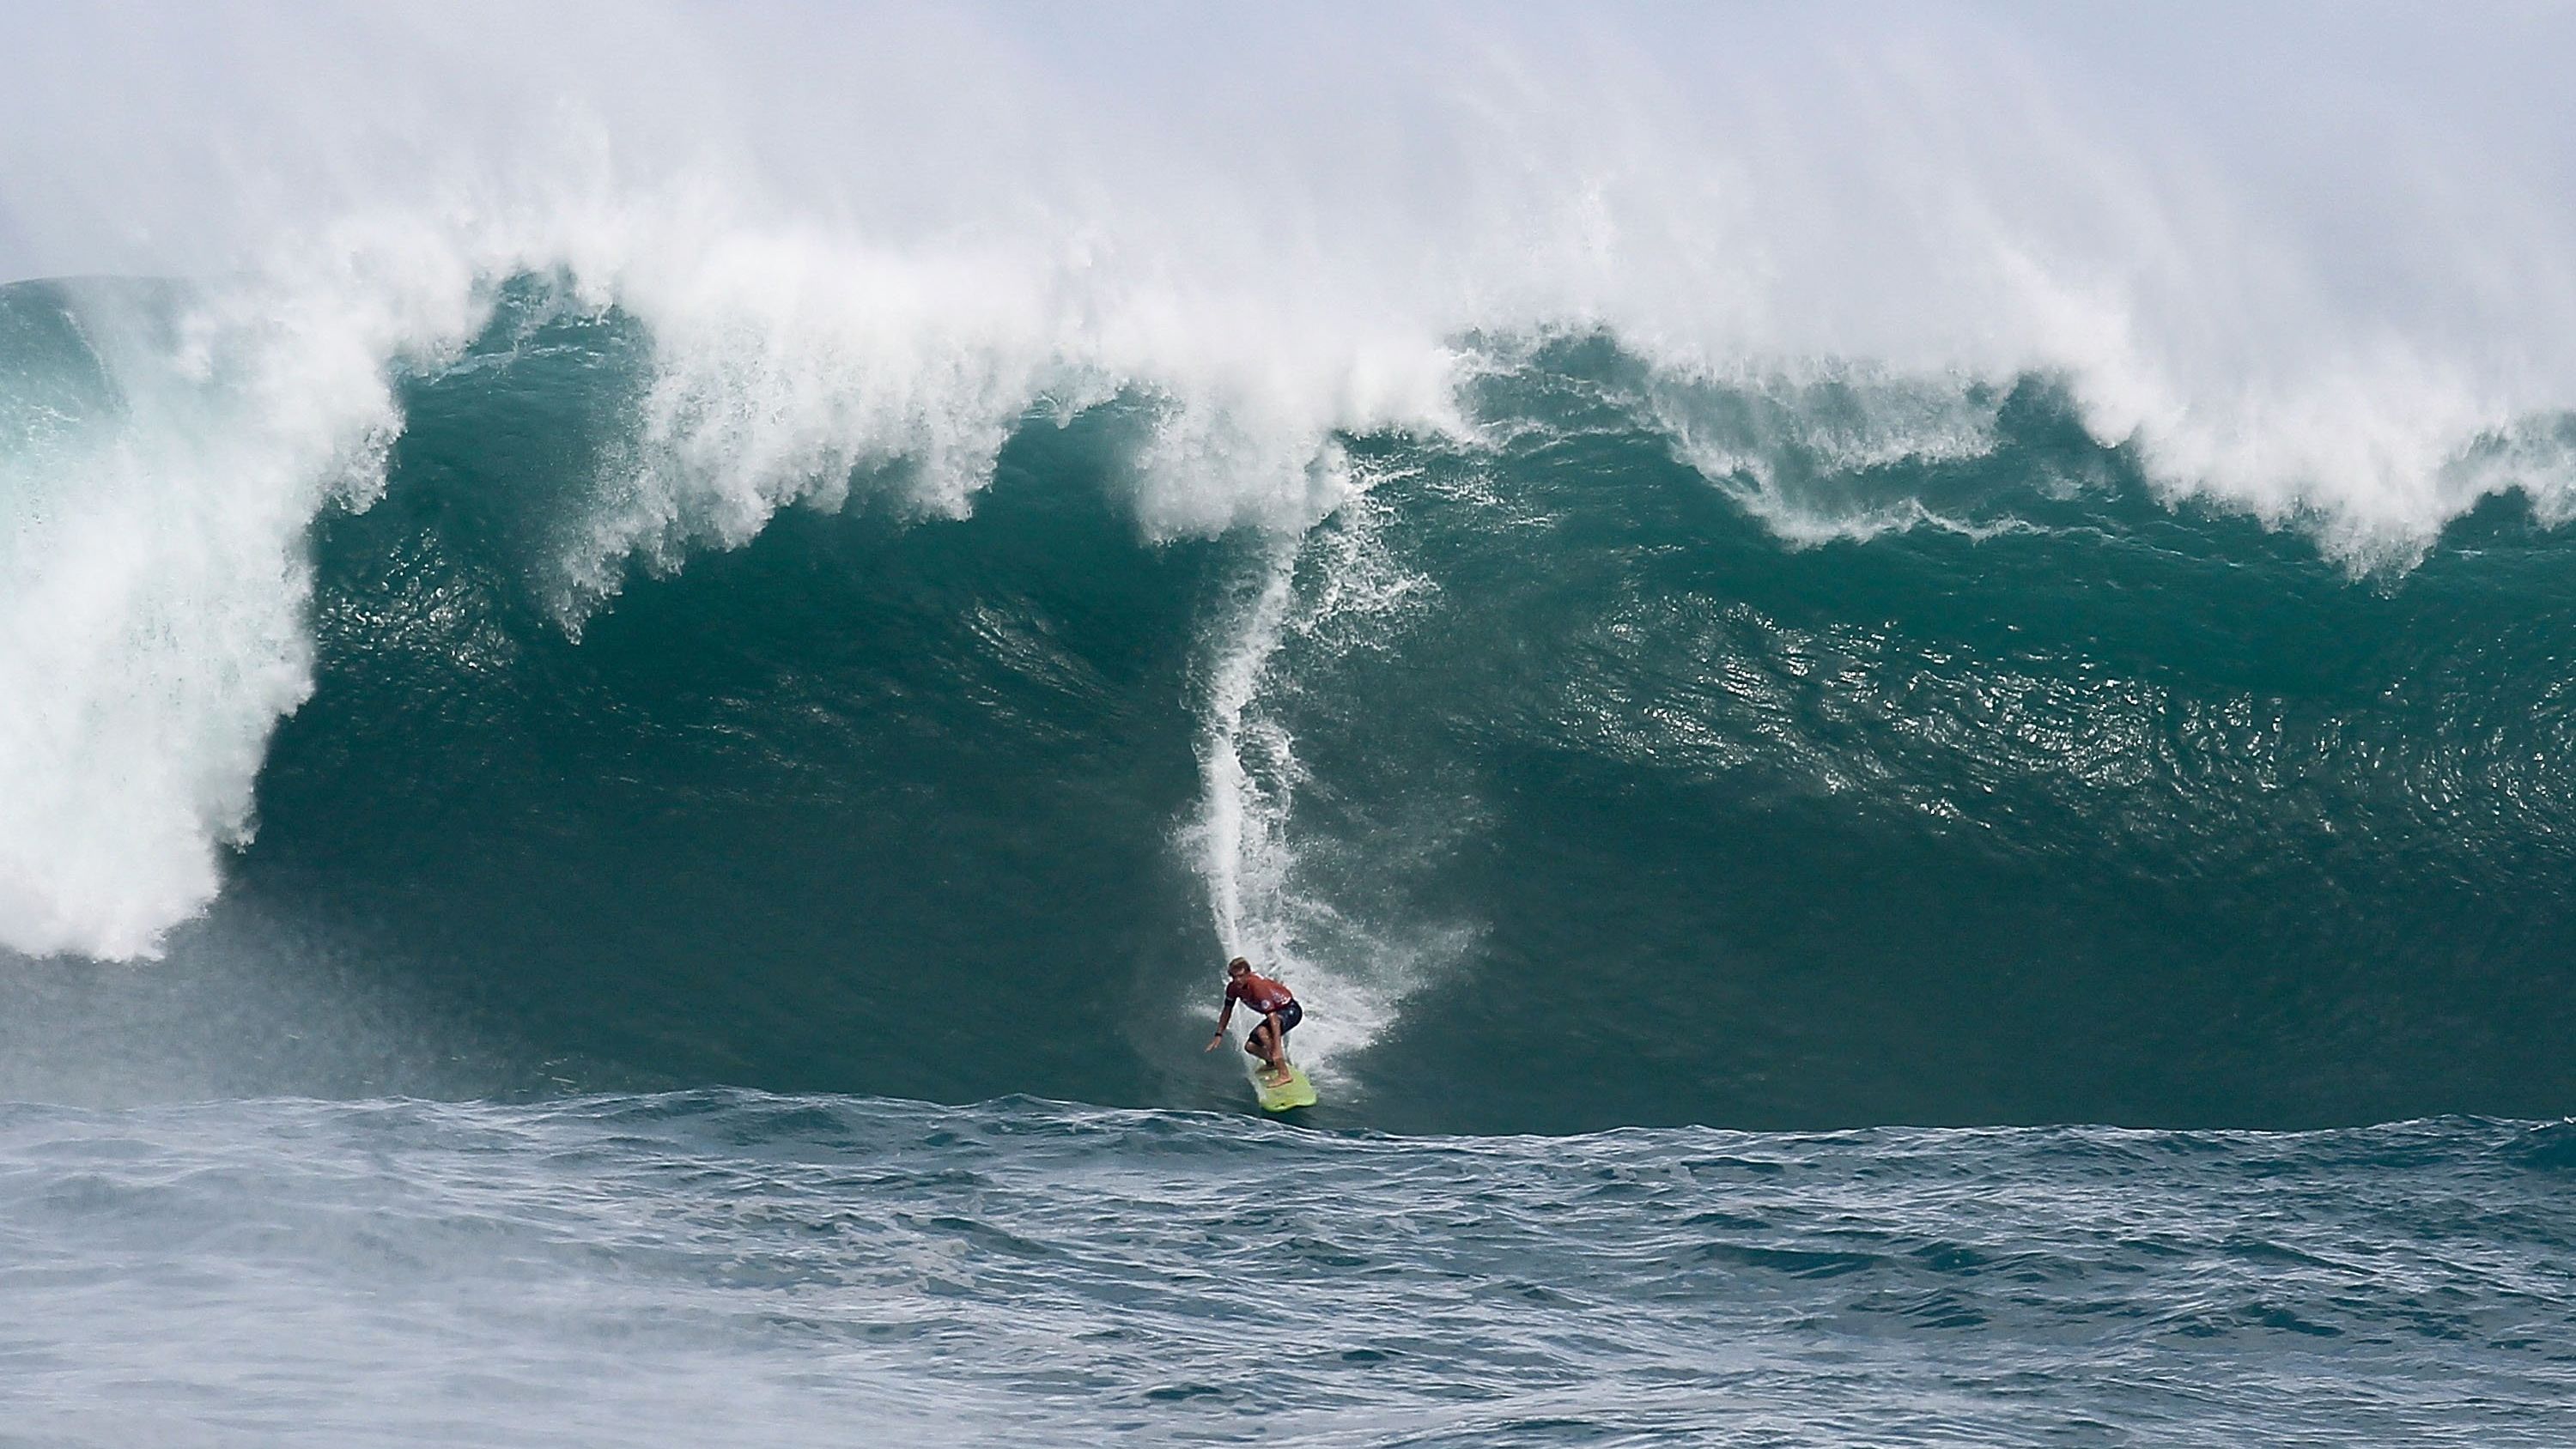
{"x": 1271, "y": 899}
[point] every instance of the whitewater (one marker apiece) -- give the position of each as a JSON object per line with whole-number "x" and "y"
{"x": 1894, "y": 682}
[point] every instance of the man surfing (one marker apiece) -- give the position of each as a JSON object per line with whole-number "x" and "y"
{"x": 1279, "y": 1013}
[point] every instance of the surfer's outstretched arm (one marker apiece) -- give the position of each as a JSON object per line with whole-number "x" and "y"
{"x": 1222, "y": 1017}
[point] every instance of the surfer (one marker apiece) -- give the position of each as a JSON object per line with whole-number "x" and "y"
{"x": 1279, "y": 1013}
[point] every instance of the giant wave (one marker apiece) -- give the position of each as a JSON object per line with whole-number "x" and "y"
{"x": 1871, "y": 586}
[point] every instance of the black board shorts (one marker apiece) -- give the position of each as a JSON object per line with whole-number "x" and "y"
{"x": 1289, "y": 1016}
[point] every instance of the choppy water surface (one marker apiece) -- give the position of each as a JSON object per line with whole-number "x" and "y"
{"x": 746, "y": 1269}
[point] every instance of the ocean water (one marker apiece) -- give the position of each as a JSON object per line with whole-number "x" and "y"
{"x": 1894, "y": 682}
{"x": 742, "y": 1268}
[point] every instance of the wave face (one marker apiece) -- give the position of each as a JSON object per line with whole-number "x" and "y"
{"x": 1654, "y": 749}
{"x": 1691, "y": 569}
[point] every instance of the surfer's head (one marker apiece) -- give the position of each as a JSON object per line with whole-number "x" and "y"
{"x": 1238, "y": 967}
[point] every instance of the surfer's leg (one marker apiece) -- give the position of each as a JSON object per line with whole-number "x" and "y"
{"x": 1266, "y": 1055}
{"x": 1281, "y": 1023}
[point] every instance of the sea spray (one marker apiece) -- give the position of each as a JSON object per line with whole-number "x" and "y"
{"x": 1310, "y": 593}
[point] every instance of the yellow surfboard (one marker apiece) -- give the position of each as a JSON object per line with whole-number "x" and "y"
{"x": 1280, "y": 1091}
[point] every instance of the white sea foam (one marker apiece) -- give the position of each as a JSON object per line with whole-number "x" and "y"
{"x": 1785, "y": 444}
{"x": 2317, "y": 269}
{"x": 153, "y": 587}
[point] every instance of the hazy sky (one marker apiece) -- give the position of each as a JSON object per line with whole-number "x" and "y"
{"x": 171, "y": 135}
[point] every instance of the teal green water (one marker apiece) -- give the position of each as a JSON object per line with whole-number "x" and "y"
{"x": 2061, "y": 804}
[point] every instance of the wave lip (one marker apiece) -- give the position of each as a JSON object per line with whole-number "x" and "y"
{"x": 156, "y": 585}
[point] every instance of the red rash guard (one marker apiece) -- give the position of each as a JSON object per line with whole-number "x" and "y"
{"x": 1260, "y": 993}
